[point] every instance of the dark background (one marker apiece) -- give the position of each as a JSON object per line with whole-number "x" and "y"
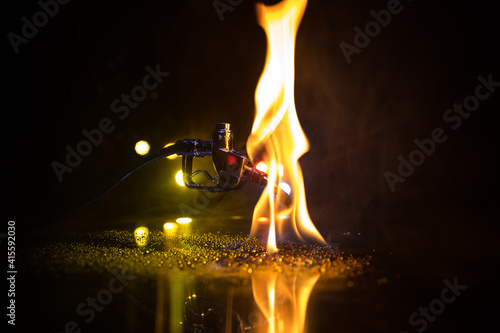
{"x": 358, "y": 117}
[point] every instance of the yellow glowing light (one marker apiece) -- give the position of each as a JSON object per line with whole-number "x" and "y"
{"x": 170, "y": 227}
{"x": 141, "y": 236}
{"x": 173, "y": 156}
{"x": 179, "y": 179}
{"x": 184, "y": 220}
{"x": 142, "y": 147}
{"x": 263, "y": 220}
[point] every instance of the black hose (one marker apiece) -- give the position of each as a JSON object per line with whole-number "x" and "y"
{"x": 146, "y": 160}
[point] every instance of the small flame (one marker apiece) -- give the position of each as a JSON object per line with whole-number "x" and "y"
{"x": 277, "y": 140}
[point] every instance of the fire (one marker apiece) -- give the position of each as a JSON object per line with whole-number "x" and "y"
{"x": 282, "y": 301}
{"x": 277, "y": 141}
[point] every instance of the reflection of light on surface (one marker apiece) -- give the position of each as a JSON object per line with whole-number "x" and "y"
{"x": 178, "y": 178}
{"x": 142, "y": 147}
{"x": 261, "y": 166}
{"x": 173, "y": 156}
{"x": 237, "y": 217}
{"x": 282, "y": 301}
{"x": 170, "y": 228}
{"x": 184, "y": 220}
{"x": 141, "y": 235}
{"x": 170, "y": 300}
{"x": 284, "y": 217}
{"x": 286, "y": 188}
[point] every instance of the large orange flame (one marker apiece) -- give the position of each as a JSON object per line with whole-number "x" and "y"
{"x": 277, "y": 138}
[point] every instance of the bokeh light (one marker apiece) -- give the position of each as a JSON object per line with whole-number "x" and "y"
{"x": 170, "y": 228}
{"x": 261, "y": 166}
{"x": 142, "y": 147}
{"x": 179, "y": 179}
{"x": 173, "y": 156}
{"x": 184, "y": 220}
{"x": 141, "y": 236}
{"x": 263, "y": 220}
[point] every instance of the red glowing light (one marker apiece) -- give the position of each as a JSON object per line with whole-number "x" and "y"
{"x": 231, "y": 159}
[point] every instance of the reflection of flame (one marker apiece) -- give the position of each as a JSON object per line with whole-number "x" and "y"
{"x": 282, "y": 300}
{"x": 277, "y": 139}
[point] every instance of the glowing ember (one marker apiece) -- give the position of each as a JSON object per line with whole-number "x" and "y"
{"x": 277, "y": 139}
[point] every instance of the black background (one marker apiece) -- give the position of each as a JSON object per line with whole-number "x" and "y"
{"x": 358, "y": 117}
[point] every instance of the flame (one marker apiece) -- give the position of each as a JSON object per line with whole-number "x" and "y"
{"x": 277, "y": 139}
{"x": 282, "y": 301}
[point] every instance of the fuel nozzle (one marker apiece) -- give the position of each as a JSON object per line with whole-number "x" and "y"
{"x": 234, "y": 169}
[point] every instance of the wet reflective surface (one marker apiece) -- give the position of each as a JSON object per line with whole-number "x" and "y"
{"x": 190, "y": 282}
{"x": 162, "y": 279}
